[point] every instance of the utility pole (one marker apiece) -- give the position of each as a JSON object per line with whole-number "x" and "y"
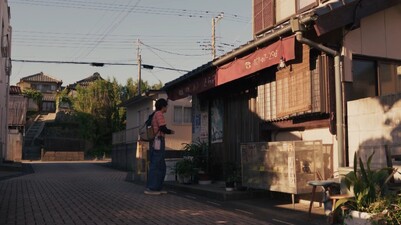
{"x": 138, "y": 57}
{"x": 214, "y": 22}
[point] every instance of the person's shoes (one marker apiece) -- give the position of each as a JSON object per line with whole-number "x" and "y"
{"x": 150, "y": 192}
{"x": 163, "y": 192}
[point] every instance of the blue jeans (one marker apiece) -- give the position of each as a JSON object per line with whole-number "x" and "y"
{"x": 157, "y": 166}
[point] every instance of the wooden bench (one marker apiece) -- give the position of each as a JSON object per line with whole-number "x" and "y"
{"x": 338, "y": 197}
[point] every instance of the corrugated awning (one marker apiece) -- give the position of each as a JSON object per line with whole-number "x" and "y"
{"x": 193, "y": 86}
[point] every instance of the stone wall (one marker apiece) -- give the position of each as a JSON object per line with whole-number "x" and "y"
{"x": 62, "y": 156}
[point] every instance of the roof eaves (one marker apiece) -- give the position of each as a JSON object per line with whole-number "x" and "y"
{"x": 134, "y": 100}
{"x": 242, "y": 50}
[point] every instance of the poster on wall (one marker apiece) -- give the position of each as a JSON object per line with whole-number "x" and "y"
{"x": 217, "y": 121}
{"x": 196, "y": 124}
{"x": 203, "y": 126}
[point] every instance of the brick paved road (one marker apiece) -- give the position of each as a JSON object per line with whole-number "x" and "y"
{"x": 83, "y": 193}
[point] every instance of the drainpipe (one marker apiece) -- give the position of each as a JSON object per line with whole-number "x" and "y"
{"x": 258, "y": 42}
{"x": 337, "y": 76}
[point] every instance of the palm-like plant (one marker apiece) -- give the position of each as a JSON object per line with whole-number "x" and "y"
{"x": 368, "y": 185}
{"x": 199, "y": 152}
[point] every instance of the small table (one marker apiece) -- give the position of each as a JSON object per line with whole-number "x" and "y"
{"x": 314, "y": 183}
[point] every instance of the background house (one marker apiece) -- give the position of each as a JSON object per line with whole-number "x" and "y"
{"x": 17, "y": 108}
{"x": 5, "y": 72}
{"x": 45, "y": 84}
{"x": 129, "y": 153}
{"x": 83, "y": 83}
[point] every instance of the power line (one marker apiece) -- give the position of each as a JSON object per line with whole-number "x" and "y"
{"x": 140, "y": 9}
{"x": 79, "y": 41}
{"x": 99, "y": 64}
{"x": 110, "y": 29}
{"x": 173, "y": 53}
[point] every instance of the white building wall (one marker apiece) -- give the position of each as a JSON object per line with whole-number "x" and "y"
{"x": 379, "y": 35}
{"x": 183, "y": 132}
{"x": 373, "y": 125}
{"x": 368, "y": 125}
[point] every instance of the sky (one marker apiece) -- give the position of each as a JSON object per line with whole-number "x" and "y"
{"x": 173, "y": 34}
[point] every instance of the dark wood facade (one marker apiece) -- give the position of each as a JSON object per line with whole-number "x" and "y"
{"x": 270, "y": 101}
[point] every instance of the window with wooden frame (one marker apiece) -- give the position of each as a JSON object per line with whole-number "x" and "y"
{"x": 263, "y": 15}
{"x": 293, "y": 87}
{"x": 303, "y": 5}
{"x": 284, "y": 10}
{"x": 299, "y": 88}
{"x": 267, "y": 13}
{"x": 375, "y": 77}
{"x": 182, "y": 115}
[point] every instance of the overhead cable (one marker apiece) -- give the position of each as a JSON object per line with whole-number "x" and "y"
{"x": 99, "y": 64}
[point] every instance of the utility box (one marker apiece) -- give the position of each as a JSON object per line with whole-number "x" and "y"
{"x": 282, "y": 166}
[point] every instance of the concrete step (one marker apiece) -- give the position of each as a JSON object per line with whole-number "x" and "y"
{"x": 216, "y": 191}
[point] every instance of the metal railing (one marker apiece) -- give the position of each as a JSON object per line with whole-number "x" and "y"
{"x": 126, "y": 136}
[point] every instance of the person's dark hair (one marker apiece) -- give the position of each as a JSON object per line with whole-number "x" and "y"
{"x": 160, "y": 103}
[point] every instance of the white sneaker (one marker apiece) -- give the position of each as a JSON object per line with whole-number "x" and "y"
{"x": 163, "y": 192}
{"x": 150, "y": 192}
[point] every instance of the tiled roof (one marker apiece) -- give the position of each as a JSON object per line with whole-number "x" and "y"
{"x": 87, "y": 81}
{"x": 41, "y": 77}
{"x": 15, "y": 90}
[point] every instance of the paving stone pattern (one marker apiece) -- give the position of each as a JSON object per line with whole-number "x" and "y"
{"x": 84, "y": 193}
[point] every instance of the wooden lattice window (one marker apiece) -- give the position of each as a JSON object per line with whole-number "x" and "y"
{"x": 293, "y": 87}
{"x": 263, "y": 15}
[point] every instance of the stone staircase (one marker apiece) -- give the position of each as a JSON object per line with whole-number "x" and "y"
{"x": 32, "y": 149}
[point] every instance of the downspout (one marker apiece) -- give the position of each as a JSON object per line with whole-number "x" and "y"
{"x": 257, "y": 43}
{"x": 337, "y": 81}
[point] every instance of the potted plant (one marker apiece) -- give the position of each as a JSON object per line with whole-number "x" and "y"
{"x": 198, "y": 151}
{"x": 369, "y": 187}
{"x": 184, "y": 170}
{"x": 232, "y": 175}
{"x": 387, "y": 210}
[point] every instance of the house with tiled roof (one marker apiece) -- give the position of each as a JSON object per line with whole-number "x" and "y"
{"x": 87, "y": 81}
{"x": 83, "y": 83}
{"x": 47, "y": 85}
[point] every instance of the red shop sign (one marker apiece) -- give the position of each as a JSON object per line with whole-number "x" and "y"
{"x": 258, "y": 60}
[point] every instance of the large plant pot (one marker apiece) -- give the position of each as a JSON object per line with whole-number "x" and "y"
{"x": 230, "y": 186}
{"x": 184, "y": 179}
{"x": 358, "y": 218}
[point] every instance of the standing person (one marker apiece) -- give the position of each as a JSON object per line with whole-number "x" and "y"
{"x": 157, "y": 167}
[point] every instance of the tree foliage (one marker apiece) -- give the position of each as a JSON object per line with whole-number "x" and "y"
{"x": 131, "y": 88}
{"x": 63, "y": 98}
{"x": 97, "y": 111}
{"x": 35, "y": 95}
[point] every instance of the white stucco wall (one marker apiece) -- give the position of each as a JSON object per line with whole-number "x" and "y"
{"x": 183, "y": 132}
{"x": 374, "y": 123}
